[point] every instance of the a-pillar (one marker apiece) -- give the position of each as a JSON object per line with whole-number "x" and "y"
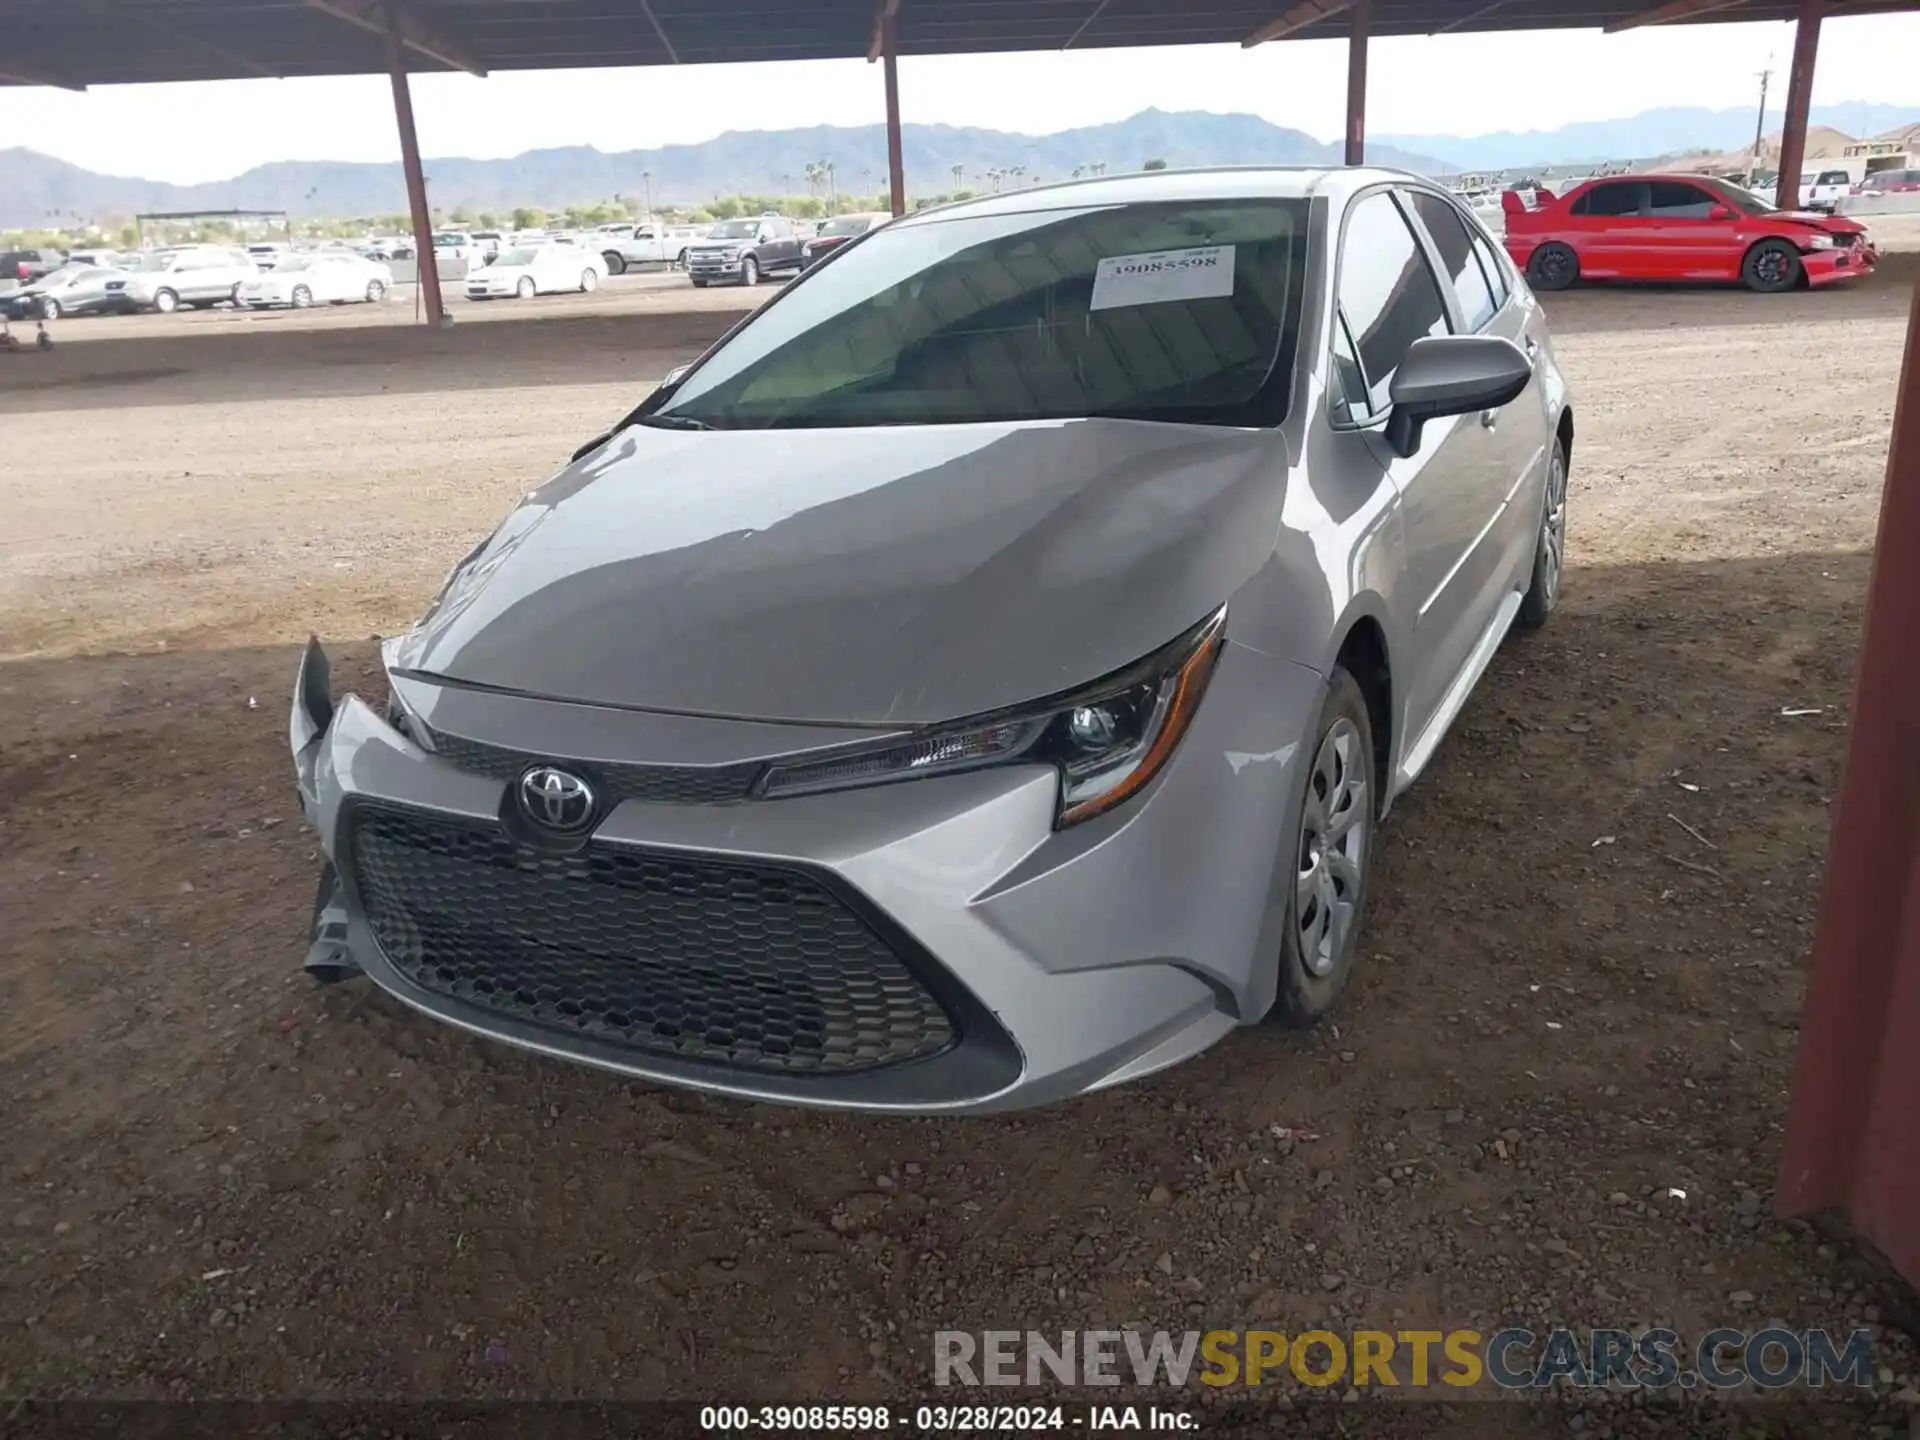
{"x": 896, "y": 165}
{"x": 1793, "y": 138}
{"x": 410, "y": 163}
{"x": 1361, "y": 18}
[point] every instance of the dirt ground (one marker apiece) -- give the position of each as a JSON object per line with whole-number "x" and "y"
{"x": 1578, "y": 993}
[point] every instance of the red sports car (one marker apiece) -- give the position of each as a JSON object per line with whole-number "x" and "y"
{"x": 1677, "y": 227}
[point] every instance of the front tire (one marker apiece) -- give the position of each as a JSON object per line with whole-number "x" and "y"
{"x": 165, "y": 301}
{"x": 1550, "y": 549}
{"x": 1331, "y": 841}
{"x": 376, "y": 292}
{"x": 616, "y": 262}
{"x": 1771, "y": 267}
{"x": 680, "y": 260}
{"x": 302, "y": 297}
{"x": 525, "y": 289}
{"x": 49, "y": 308}
{"x": 749, "y": 272}
{"x": 588, "y": 279}
{"x": 1553, "y": 266}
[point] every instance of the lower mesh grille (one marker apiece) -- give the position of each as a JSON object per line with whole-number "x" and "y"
{"x": 708, "y": 960}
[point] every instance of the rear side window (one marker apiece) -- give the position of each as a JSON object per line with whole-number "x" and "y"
{"x": 1387, "y": 291}
{"x": 1491, "y": 267}
{"x": 1675, "y": 200}
{"x": 1616, "y": 199}
{"x": 1449, "y": 231}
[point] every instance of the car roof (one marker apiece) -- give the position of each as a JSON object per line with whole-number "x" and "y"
{"x": 1224, "y": 182}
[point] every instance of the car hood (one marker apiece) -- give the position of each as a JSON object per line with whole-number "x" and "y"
{"x": 1815, "y": 220}
{"x": 887, "y": 576}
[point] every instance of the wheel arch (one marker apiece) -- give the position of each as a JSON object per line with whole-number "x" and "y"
{"x": 1364, "y": 652}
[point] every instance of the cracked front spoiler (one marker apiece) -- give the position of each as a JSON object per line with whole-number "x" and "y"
{"x": 330, "y": 958}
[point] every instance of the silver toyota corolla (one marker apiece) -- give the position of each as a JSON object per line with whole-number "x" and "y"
{"x": 980, "y": 677}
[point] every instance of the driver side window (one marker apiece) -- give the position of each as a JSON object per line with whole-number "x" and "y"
{"x": 1387, "y": 293}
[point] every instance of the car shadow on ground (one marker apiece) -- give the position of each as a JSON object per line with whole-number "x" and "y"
{"x": 1579, "y": 989}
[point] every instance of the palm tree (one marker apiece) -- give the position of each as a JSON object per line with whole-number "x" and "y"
{"x": 959, "y": 176}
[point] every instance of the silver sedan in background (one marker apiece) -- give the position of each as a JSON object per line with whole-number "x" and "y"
{"x": 980, "y": 677}
{"x": 70, "y": 290}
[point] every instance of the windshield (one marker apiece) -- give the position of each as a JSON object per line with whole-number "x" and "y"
{"x": 1180, "y": 311}
{"x": 297, "y": 262}
{"x": 1738, "y": 197}
{"x": 846, "y": 225}
{"x": 158, "y": 260}
{"x": 517, "y": 257}
{"x": 734, "y": 230}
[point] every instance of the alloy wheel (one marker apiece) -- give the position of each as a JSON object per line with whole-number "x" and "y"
{"x": 1334, "y": 826}
{"x": 1771, "y": 266}
{"x": 1553, "y": 528}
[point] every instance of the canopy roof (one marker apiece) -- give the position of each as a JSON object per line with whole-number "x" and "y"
{"x": 102, "y": 42}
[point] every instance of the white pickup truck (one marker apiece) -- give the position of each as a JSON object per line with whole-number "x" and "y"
{"x": 1824, "y": 189}
{"x": 645, "y": 243}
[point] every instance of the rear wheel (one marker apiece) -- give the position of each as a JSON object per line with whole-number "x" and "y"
{"x": 749, "y": 271}
{"x": 1770, "y": 267}
{"x": 616, "y": 262}
{"x": 525, "y": 288}
{"x": 1553, "y": 267}
{"x": 1331, "y": 845}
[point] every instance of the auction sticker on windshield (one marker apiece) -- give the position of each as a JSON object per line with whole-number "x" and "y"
{"x": 1163, "y": 275}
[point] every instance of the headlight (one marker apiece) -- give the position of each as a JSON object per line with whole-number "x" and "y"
{"x": 1106, "y": 740}
{"x": 1819, "y": 242}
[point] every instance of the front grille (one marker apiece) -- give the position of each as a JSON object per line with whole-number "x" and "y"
{"x": 662, "y": 784}
{"x": 761, "y": 969}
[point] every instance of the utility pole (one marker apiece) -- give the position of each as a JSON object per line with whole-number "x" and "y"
{"x": 1760, "y": 122}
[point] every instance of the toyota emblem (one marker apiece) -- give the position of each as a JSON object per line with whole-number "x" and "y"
{"x": 556, "y": 800}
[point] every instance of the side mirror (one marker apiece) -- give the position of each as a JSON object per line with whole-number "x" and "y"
{"x": 1720, "y": 212}
{"x": 1452, "y": 375}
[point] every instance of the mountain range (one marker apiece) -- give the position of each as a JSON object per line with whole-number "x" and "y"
{"x": 759, "y": 162}
{"x": 1646, "y": 136}
{"x": 766, "y": 162}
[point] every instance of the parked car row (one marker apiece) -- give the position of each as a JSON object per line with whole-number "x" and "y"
{"x": 199, "y": 277}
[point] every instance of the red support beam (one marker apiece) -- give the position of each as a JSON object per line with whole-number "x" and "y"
{"x": 410, "y": 163}
{"x": 1853, "y": 1130}
{"x": 1793, "y": 140}
{"x": 1361, "y": 17}
{"x": 1666, "y": 14}
{"x": 896, "y": 164}
{"x": 1294, "y": 18}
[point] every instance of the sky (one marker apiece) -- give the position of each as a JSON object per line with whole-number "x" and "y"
{"x": 1449, "y": 84}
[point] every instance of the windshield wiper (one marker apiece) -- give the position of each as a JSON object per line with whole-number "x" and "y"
{"x": 674, "y": 422}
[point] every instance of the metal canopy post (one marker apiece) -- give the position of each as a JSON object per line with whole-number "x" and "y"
{"x": 1793, "y": 139}
{"x": 896, "y": 165}
{"x": 410, "y": 162}
{"x": 1360, "y": 18}
{"x": 1853, "y": 1129}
